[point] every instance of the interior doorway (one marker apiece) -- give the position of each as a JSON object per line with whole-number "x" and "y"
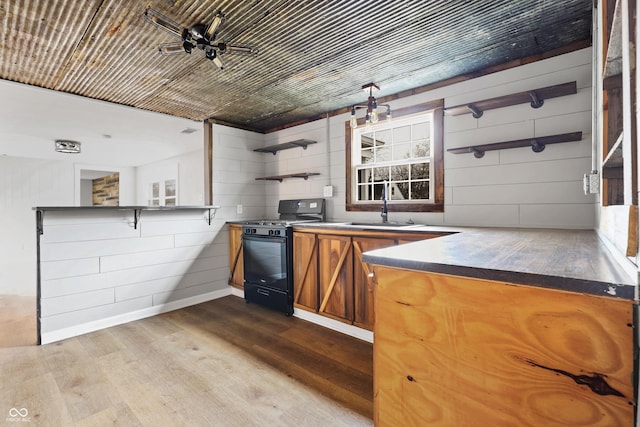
{"x": 99, "y": 187}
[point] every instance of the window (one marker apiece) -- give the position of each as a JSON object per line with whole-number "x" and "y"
{"x": 406, "y": 154}
{"x": 163, "y": 193}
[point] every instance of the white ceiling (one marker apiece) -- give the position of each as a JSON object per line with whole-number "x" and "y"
{"x": 112, "y": 135}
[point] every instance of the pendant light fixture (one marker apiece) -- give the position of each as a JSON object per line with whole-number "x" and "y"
{"x": 372, "y": 106}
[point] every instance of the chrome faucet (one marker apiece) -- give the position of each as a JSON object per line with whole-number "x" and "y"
{"x": 385, "y": 213}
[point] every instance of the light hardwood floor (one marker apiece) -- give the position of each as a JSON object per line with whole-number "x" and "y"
{"x": 221, "y": 363}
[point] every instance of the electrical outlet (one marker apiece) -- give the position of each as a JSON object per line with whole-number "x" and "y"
{"x": 591, "y": 183}
{"x": 327, "y": 191}
{"x": 239, "y": 209}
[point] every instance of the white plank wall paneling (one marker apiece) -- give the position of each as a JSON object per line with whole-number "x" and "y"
{"x": 515, "y": 187}
{"x": 98, "y": 271}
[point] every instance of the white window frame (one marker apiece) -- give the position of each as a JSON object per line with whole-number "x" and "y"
{"x": 356, "y": 157}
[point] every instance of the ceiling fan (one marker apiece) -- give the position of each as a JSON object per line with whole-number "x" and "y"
{"x": 200, "y": 36}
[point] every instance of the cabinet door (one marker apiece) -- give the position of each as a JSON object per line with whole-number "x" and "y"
{"x": 305, "y": 271}
{"x": 236, "y": 266}
{"x": 335, "y": 277}
{"x": 362, "y": 287}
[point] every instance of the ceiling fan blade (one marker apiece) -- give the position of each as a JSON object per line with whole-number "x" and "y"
{"x": 213, "y": 27}
{"x": 237, "y": 48}
{"x": 161, "y": 21}
{"x": 171, "y": 48}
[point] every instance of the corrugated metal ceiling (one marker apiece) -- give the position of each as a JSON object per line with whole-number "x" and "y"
{"x": 313, "y": 55}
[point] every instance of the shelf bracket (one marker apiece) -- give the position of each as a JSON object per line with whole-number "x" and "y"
{"x": 136, "y": 218}
{"x": 475, "y": 111}
{"x": 536, "y": 101}
{"x": 536, "y": 146}
{"x": 40, "y": 222}
{"x": 478, "y": 154}
{"x": 210, "y": 216}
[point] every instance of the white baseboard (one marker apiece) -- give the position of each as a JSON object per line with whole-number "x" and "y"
{"x": 74, "y": 331}
{"x": 96, "y": 325}
{"x": 335, "y": 325}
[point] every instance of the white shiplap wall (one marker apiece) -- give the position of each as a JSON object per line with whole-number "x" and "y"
{"x": 98, "y": 271}
{"x": 516, "y": 187}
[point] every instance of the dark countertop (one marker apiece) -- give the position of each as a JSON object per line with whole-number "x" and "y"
{"x": 122, "y": 208}
{"x": 571, "y": 260}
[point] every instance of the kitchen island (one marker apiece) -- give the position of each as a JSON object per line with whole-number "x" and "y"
{"x": 503, "y": 327}
{"x": 102, "y": 266}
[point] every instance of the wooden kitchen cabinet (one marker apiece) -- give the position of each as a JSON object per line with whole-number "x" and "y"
{"x": 364, "y": 314}
{"x": 329, "y": 275}
{"x": 459, "y": 351}
{"x": 236, "y": 266}
{"x": 305, "y": 271}
{"x": 335, "y": 277}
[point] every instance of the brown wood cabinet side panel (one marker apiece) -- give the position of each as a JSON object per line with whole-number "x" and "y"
{"x": 454, "y": 351}
{"x": 305, "y": 271}
{"x": 236, "y": 264}
{"x": 335, "y": 276}
{"x": 364, "y": 313}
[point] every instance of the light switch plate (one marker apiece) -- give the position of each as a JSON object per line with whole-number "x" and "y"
{"x": 327, "y": 191}
{"x": 239, "y": 209}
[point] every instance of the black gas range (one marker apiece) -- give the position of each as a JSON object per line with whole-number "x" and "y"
{"x": 268, "y": 253}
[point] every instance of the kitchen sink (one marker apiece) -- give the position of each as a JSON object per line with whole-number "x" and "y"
{"x": 379, "y": 224}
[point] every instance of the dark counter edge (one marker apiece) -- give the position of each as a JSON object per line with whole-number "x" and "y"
{"x": 622, "y": 291}
{"x": 122, "y": 208}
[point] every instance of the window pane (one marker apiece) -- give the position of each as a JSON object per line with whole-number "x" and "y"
{"x": 402, "y": 134}
{"x": 383, "y": 154}
{"x": 171, "y": 201}
{"x": 421, "y": 131}
{"x": 170, "y": 188}
{"x": 419, "y": 190}
{"x": 366, "y": 140}
{"x": 381, "y": 174}
{"x": 421, "y": 148}
{"x": 364, "y": 176}
{"x": 384, "y": 138}
{"x": 420, "y": 171}
{"x": 401, "y": 151}
{"x": 377, "y": 191}
{"x": 403, "y": 190}
{"x": 155, "y": 189}
{"x": 364, "y": 192}
{"x": 367, "y": 155}
{"x": 400, "y": 173}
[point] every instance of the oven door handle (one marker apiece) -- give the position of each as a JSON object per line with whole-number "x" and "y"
{"x": 274, "y": 239}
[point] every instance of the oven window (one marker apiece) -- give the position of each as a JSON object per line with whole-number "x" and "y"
{"x": 265, "y": 261}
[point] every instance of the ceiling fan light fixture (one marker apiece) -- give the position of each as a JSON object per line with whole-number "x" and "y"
{"x": 372, "y": 116}
{"x": 170, "y": 48}
{"x": 159, "y": 20}
{"x": 210, "y": 33}
{"x": 201, "y": 36}
{"x": 67, "y": 146}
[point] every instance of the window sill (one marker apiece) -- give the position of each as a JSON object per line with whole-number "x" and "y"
{"x": 396, "y": 207}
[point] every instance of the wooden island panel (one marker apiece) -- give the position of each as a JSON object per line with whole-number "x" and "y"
{"x": 453, "y": 351}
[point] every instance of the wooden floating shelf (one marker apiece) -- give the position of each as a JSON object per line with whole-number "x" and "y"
{"x": 536, "y": 144}
{"x": 304, "y": 175}
{"x": 273, "y": 149}
{"x": 535, "y": 97}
